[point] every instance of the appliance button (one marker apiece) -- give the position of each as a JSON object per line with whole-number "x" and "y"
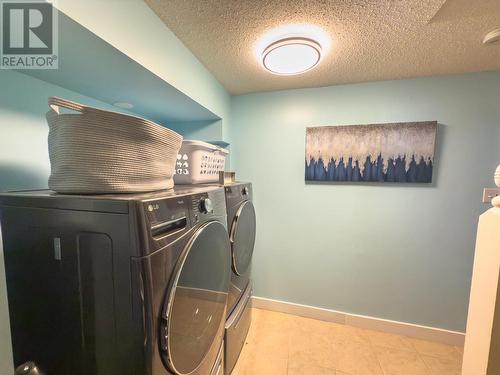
{"x": 164, "y": 337}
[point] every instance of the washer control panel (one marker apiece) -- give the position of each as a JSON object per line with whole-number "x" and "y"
{"x": 167, "y": 216}
{"x": 171, "y": 216}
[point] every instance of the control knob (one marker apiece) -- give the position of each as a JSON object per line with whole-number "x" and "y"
{"x": 245, "y": 190}
{"x": 206, "y": 205}
{"x": 28, "y": 368}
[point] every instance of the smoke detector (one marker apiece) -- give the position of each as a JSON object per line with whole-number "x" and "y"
{"x": 493, "y": 37}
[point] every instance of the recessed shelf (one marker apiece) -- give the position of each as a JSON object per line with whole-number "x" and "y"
{"x": 92, "y": 67}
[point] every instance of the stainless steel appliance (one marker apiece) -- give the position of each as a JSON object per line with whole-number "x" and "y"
{"x": 241, "y": 220}
{"x": 117, "y": 284}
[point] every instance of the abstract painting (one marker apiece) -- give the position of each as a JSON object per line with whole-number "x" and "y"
{"x": 397, "y": 152}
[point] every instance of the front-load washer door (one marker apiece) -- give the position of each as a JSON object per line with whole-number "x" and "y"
{"x": 243, "y": 237}
{"x": 195, "y": 309}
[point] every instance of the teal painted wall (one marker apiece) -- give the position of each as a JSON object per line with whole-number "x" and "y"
{"x": 390, "y": 251}
{"x": 201, "y": 130}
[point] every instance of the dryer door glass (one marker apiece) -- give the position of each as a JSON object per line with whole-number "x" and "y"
{"x": 195, "y": 309}
{"x": 243, "y": 237}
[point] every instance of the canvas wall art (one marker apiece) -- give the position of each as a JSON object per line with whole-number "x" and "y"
{"x": 397, "y": 152}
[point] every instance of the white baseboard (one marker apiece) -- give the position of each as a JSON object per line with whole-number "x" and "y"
{"x": 361, "y": 321}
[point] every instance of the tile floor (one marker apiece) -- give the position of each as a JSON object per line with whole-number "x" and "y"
{"x": 282, "y": 344}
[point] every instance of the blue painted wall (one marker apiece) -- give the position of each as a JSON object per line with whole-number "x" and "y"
{"x": 400, "y": 252}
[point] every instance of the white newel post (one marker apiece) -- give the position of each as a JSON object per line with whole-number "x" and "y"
{"x": 482, "y": 340}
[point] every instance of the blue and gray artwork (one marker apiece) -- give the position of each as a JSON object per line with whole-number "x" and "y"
{"x": 399, "y": 152}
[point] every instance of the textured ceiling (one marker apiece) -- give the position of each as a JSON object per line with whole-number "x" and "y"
{"x": 370, "y": 40}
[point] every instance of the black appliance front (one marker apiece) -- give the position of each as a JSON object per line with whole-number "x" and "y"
{"x": 237, "y": 326}
{"x": 107, "y": 293}
{"x": 193, "y": 308}
{"x": 242, "y": 230}
{"x": 61, "y": 290}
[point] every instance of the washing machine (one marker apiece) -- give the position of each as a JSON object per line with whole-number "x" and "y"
{"x": 117, "y": 284}
{"x": 242, "y": 227}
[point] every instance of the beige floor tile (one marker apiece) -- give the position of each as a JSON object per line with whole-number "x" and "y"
{"x": 435, "y": 349}
{"x": 271, "y": 318}
{"x": 269, "y": 333}
{"x": 332, "y": 331}
{"x": 441, "y": 366}
{"x": 313, "y": 348}
{"x": 246, "y": 348}
{"x": 301, "y": 367}
{"x": 310, "y": 326}
{"x": 238, "y": 367}
{"x": 263, "y": 343}
{"x": 251, "y": 364}
{"x": 400, "y": 362}
{"x": 280, "y": 344}
{"x": 349, "y": 333}
{"x": 354, "y": 358}
{"x": 388, "y": 340}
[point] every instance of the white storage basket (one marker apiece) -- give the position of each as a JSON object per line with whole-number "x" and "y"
{"x": 199, "y": 163}
{"x": 93, "y": 151}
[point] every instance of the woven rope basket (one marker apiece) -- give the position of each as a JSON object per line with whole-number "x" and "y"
{"x": 93, "y": 151}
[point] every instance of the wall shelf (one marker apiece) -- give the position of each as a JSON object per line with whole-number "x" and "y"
{"x": 222, "y": 144}
{"x": 92, "y": 67}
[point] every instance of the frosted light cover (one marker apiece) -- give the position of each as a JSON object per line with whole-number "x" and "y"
{"x": 291, "y": 56}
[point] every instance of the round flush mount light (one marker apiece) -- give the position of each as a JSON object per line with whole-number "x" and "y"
{"x": 123, "y": 105}
{"x": 293, "y": 55}
{"x": 493, "y": 37}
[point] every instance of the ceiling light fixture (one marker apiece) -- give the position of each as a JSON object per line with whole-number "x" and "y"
{"x": 493, "y": 37}
{"x": 293, "y": 55}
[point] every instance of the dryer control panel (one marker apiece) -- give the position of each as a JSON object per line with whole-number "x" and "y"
{"x": 236, "y": 193}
